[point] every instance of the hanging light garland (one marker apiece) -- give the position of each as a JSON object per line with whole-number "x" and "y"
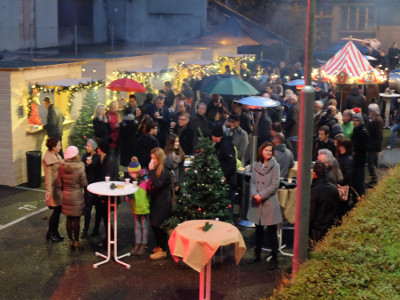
{"x": 34, "y": 88}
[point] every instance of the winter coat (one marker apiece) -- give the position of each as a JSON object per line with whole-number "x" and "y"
{"x": 51, "y": 164}
{"x": 187, "y": 139}
{"x": 359, "y": 139}
{"x": 160, "y": 199}
{"x": 127, "y": 138}
{"x": 346, "y": 163}
{"x": 140, "y": 204}
{"x": 328, "y": 120}
{"x": 93, "y": 171}
{"x": 108, "y": 168}
{"x": 202, "y": 123}
{"x": 163, "y": 123}
{"x": 375, "y": 130}
{"x": 324, "y": 203}
{"x": 265, "y": 181}
{"x": 73, "y": 179}
{"x": 263, "y": 129}
{"x": 318, "y": 145}
{"x": 101, "y": 129}
{"x": 285, "y": 159}
{"x": 240, "y": 141}
{"x": 355, "y": 99}
{"x": 291, "y": 127}
{"x": 144, "y": 145}
{"x": 114, "y": 134}
{"x": 227, "y": 158}
{"x": 55, "y": 120}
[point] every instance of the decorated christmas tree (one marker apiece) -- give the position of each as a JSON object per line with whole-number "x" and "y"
{"x": 83, "y": 128}
{"x": 203, "y": 193}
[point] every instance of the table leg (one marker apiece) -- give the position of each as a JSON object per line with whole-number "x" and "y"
{"x": 205, "y": 273}
{"x": 116, "y": 257}
{"x": 109, "y": 241}
{"x": 387, "y": 112}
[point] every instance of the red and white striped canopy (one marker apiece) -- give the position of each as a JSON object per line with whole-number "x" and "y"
{"x": 349, "y": 61}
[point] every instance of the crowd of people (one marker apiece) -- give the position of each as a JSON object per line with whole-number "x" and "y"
{"x": 149, "y": 143}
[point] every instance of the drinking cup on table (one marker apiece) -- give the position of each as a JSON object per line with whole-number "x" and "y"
{"x": 107, "y": 178}
{"x": 127, "y": 180}
{"x": 247, "y": 168}
{"x": 135, "y": 184}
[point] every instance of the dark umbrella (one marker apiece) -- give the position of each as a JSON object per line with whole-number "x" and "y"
{"x": 230, "y": 86}
{"x": 265, "y": 63}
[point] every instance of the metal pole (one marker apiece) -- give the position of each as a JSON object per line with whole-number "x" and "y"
{"x": 305, "y": 149}
{"x": 31, "y": 39}
{"x": 76, "y": 39}
{"x": 112, "y": 37}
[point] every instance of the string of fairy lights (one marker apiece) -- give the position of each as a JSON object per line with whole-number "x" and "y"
{"x": 35, "y": 88}
{"x": 183, "y": 70}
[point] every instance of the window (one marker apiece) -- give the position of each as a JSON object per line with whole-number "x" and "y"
{"x": 360, "y": 18}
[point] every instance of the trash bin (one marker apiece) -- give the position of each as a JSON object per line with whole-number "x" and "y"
{"x": 34, "y": 168}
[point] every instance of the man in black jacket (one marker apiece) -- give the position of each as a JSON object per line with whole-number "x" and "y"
{"x": 374, "y": 146}
{"x": 359, "y": 139}
{"x": 146, "y": 143}
{"x": 227, "y": 158}
{"x": 355, "y": 99}
{"x": 55, "y": 119}
{"x": 187, "y": 135}
{"x": 199, "y": 120}
{"x": 324, "y": 203}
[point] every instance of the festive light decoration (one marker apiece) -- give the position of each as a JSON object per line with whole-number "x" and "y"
{"x": 62, "y": 89}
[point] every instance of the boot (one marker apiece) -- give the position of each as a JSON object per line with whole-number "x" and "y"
{"x": 135, "y": 249}
{"x": 78, "y": 245}
{"x": 71, "y": 244}
{"x": 142, "y": 250}
{"x": 273, "y": 263}
{"x": 52, "y": 237}
{"x": 256, "y": 258}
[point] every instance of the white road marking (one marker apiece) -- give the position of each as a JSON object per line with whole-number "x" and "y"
{"x": 23, "y": 218}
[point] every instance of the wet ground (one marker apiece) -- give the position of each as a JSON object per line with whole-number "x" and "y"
{"x": 31, "y": 268}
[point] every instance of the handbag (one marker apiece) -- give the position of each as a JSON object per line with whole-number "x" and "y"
{"x": 343, "y": 192}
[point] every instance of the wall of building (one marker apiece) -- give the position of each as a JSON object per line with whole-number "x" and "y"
{"x": 46, "y": 13}
{"x": 9, "y": 29}
{"x": 19, "y": 141}
{"x": 6, "y": 154}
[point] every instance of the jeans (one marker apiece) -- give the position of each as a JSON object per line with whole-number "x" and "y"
{"x": 141, "y": 228}
{"x": 272, "y": 236}
{"x": 372, "y": 161}
{"x": 393, "y": 130}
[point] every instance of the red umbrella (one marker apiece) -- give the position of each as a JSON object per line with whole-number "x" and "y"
{"x": 126, "y": 85}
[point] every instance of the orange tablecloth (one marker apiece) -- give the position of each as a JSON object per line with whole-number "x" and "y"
{"x": 197, "y": 247}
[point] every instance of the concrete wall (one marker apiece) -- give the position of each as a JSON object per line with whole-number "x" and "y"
{"x": 6, "y": 154}
{"x": 99, "y": 22}
{"x": 166, "y": 22}
{"x": 9, "y": 29}
{"x": 46, "y": 12}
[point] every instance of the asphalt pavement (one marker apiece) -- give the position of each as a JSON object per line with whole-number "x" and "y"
{"x": 31, "y": 268}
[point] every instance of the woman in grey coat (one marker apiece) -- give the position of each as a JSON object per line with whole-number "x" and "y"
{"x": 73, "y": 178}
{"x": 264, "y": 207}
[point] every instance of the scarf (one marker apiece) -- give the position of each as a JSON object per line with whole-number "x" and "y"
{"x": 280, "y": 148}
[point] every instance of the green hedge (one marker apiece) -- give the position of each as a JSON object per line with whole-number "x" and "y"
{"x": 361, "y": 258}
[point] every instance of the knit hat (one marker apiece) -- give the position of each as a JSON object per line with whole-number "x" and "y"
{"x": 134, "y": 165}
{"x": 217, "y": 131}
{"x": 356, "y": 110}
{"x": 336, "y": 129}
{"x": 71, "y": 152}
{"x": 358, "y": 117}
{"x": 92, "y": 143}
{"x": 104, "y": 146}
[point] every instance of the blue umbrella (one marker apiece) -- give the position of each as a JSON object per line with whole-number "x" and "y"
{"x": 297, "y": 82}
{"x": 230, "y": 86}
{"x": 259, "y": 101}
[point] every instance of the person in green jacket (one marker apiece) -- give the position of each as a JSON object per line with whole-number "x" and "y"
{"x": 347, "y": 123}
{"x": 140, "y": 205}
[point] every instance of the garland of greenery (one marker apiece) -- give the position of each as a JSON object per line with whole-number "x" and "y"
{"x": 72, "y": 89}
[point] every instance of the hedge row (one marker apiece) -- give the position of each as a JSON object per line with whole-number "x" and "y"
{"x": 361, "y": 258}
